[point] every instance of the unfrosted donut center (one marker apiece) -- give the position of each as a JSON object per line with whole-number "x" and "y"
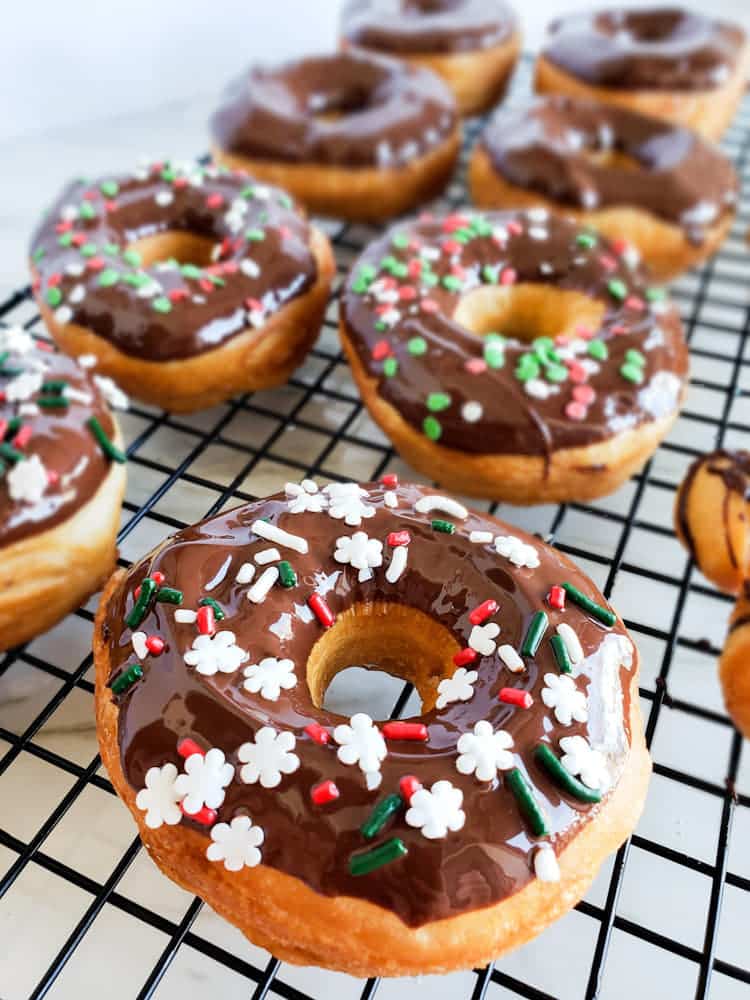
{"x": 174, "y": 244}
{"x": 527, "y": 311}
{"x": 611, "y": 159}
{"x": 392, "y": 638}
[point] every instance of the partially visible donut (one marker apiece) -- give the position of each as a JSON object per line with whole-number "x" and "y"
{"x": 188, "y": 283}
{"x": 712, "y": 517}
{"x": 472, "y": 44}
{"x": 354, "y": 135}
{"x": 659, "y": 186}
{"x": 664, "y": 61}
{"x": 734, "y": 665}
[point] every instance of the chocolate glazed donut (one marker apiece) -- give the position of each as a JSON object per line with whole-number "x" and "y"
{"x": 416, "y": 846}
{"x": 513, "y": 355}
{"x": 353, "y": 135}
{"x": 658, "y": 186}
{"x": 472, "y": 44}
{"x": 664, "y": 61}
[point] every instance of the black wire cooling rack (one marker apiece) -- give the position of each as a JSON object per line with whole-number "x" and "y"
{"x": 666, "y": 916}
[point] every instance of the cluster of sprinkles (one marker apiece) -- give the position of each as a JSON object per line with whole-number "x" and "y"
{"x": 579, "y": 770}
{"x": 421, "y": 276}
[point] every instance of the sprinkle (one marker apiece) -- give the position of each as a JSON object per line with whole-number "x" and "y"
{"x": 598, "y": 350}
{"x": 158, "y": 577}
{"x": 575, "y": 411}
{"x": 446, "y": 527}
{"x": 416, "y": 346}
{"x": 556, "y": 598}
{"x": 511, "y": 659}
{"x": 404, "y": 731}
{"x": 262, "y": 587}
{"x": 169, "y": 595}
{"x": 432, "y": 428}
{"x": 267, "y": 556}
{"x": 205, "y": 816}
{"x": 546, "y": 757}
{"x": 272, "y": 533}
{"x": 514, "y": 696}
{"x": 561, "y": 654}
{"x": 396, "y": 538}
{"x": 445, "y": 505}
{"x": 603, "y": 615}
{"x": 380, "y": 815}
{"x": 318, "y": 734}
{"x": 138, "y": 639}
{"x": 389, "y": 480}
{"x": 483, "y": 611}
{"x": 138, "y": 611}
{"x": 245, "y": 573}
{"x": 324, "y": 792}
{"x": 437, "y": 401}
{"x": 633, "y": 373}
{"x": 617, "y": 289}
{"x": 383, "y": 854}
{"x": 586, "y": 240}
{"x": 535, "y": 634}
{"x": 321, "y": 610}
{"x": 127, "y": 678}
{"x": 472, "y": 411}
{"x": 464, "y": 656}
{"x": 390, "y": 499}
{"x": 546, "y": 866}
{"x": 397, "y": 565}
{"x": 109, "y": 449}
{"x": 527, "y": 803}
{"x": 184, "y": 616}
{"x": 209, "y": 602}
{"x": 155, "y": 645}
{"x": 10, "y": 453}
{"x": 480, "y": 537}
{"x": 187, "y": 747}
{"x": 205, "y": 620}
{"x": 572, "y": 642}
{"x": 287, "y": 576}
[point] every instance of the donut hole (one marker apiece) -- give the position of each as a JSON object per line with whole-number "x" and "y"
{"x": 391, "y": 638}
{"x": 527, "y": 311}
{"x": 610, "y": 159}
{"x": 174, "y": 244}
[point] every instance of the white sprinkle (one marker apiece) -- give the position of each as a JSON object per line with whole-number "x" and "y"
{"x": 397, "y": 564}
{"x": 75, "y": 269}
{"x": 223, "y": 569}
{"x": 184, "y": 616}
{"x": 545, "y": 864}
{"x": 245, "y": 573}
{"x": 87, "y": 360}
{"x": 444, "y": 504}
{"x": 272, "y": 533}
{"x": 259, "y": 590}
{"x": 309, "y": 486}
{"x": 163, "y": 198}
{"x": 63, "y": 314}
{"x": 390, "y": 499}
{"x": 77, "y": 395}
{"x": 538, "y": 233}
{"x": 267, "y": 556}
{"x": 572, "y": 642}
{"x": 114, "y": 395}
{"x": 77, "y": 294}
{"x": 537, "y": 214}
{"x": 139, "y": 645}
{"x": 480, "y": 537}
{"x": 249, "y": 268}
{"x": 472, "y": 411}
{"x": 511, "y": 659}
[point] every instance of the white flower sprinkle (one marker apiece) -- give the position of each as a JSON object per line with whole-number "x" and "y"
{"x": 272, "y": 533}
{"x": 482, "y": 638}
{"x": 267, "y": 556}
{"x": 269, "y": 677}
{"x": 215, "y": 654}
{"x": 519, "y": 553}
{"x": 561, "y": 694}
{"x": 236, "y": 844}
{"x": 159, "y": 799}
{"x": 484, "y": 752}
{"x": 511, "y": 659}
{"x": 17, "y": 340}
{"x": 579, "y": 758}
{"x": 459, "y": 687}
{"x": 305, "y": 497}
{"x": 361, "y": 742}
{"x": 347, "y": 503}
{"x": 203, "y": 783}
{"x": 261, "y": 588}
{"x": 446, "y": 505}
{"x": 245, "y": 573}
{"x": 437, "y": 810}
{"x": 546, "y": 866}
{"x": 397, "y": 565}
{"x": 571, "y": 641}
{"x": 27, "y": 480}
{"x": 23, "y": 386}
{"x": 268, "y": 758}
{"x": 359, "y": 551}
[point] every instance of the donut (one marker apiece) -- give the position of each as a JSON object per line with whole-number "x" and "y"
{"x": 712, "y": 517}
{"x": 62, "y": 478}
{"x": 376, "y": 848}
{"x": 663, "y": 61}
{"x": 472, "y": 44}
{"x": 354, "y": 135}
{"x": 659, "y": 186}
{"x": 188, "y": 283}
{"x": 513, "y": 355}
{"x": 734, "y": 665}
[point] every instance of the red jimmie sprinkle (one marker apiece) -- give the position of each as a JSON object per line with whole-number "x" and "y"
{"x": 408, "y": 785}
{"x": 205, "y": 816}
{"x": 389, "y": 480}
{"x": 155, "y": 645}
{"x": 158, "y": 577}
{"x": 464, "y": 656}
{"x": 381, "y": 350}
{"x": 3, "y": 428}
{"x": 556, "y": 598}
{"x": 514, "y": 228}
{"x": 508, "y": 276}
{"x": 324, "y": 792}
{"x": 483, "y": 611}
{"x": 205, "y": 621}
{"x": 22, "y": 438}
{"x": 318, "y": 734}
{"x": 404, "y": 731}
{"x": 513, "y": 696}
{"x": 187, "y": 747}
{"x": 321, "y": 610}
{"x": 396, "y": 538}
{"x": 407, "y": 293}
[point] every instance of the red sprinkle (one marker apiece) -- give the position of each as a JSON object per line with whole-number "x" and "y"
{"x": 407, "y": 293}
{"x": 381, "y": 350}
{"x": 324, "y": 792}
{"x": 464, "y": 656}
{"x": 405, "y": 731}
{"x": 321, "y": 610}
{"x": 205, "y": 620}
{"x": 205, "y": 816}
{"x": 177, "y": 294}
{"x": 414, "y": 267}
{"x": 214, "y": 200}
{"x": 187, "y": 747}
{"x": 584, "y": 394}
{"x": 483, "y": 611}
{"x": 577, "y": 372}
{"x": 575, "y": 411}
{"x": 556, "y": 597}
{"x": 429, "y": 306}
{"x": 620, "y": 246}
{"x": 514, "y": 696}
{"x": 3, "y": 428}
{"x": 635, "y": 303}
{"x": 607, "y": 262}
{"x": 452, "y": 246}
{"x": 78, "y": 239}
{"x": 514, "y": 228}
{"x": 22, "y": 438}
{"x": 408, "y": 785}
{"x": 475, "y": 366}
{"x": 389, "y": 480}
{"x": 508, "y": 276}
{"x": 158, "y": 577}
{"x": 155, "y": 645}
{"x": 396, "y": 538}
{"x": 318, "y": 734}
{"x": 54, "y": 279}
{"x": 95, "y": 263}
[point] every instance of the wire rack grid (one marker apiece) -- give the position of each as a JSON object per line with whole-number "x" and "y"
{"x": 82, "y": 905}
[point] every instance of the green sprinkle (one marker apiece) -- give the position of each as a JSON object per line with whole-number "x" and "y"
{"x": 561, "y": 654}
{"x": 138, "y": 612}
{"x": 88, "y": 250}
{"x": 656, "y": 294}
{"x": 432, "y": 428}
{"x": 109, "y": 188}
{"x": 429, "y": 280}
{"x": 417, "y": 346}
{"x": 543, "y": 348}
{"x": 132, "y": 257}
{"x": 287, "y": 576}
{"x": 586, "y": 240}
{"x": 110, "y": 450}
{"x": 437, "y": 401}
{"x": 3, "y": 467}
{"x": 634, "y": 357}
{"x": 284, "y": 200}
{"x": 556, "y": 373}
{"x": 162, "y": 304}
{"x": 562, "y": 777}
{"x": 169, "y": 595}
{"x": 527, "y": 802}
{"x": 127, "y": 678}
{"x": 481, "y": 226}
{"x": 255, "y": 235}
{"x": 54, "y": 297}
{"x": 11, "y": 453}
{"x": 617, "y": 289}
{"x": 112, "y": 249}
{"x": 14, "y": 424}
{"x": 490, "y": 275}
{"x": 452, "y": 283}
{"x": 493, "y": 352}
{"x": 247, "y": 192}
{"x": 51, "y": 402}
{"x": 168, "y": 175}
{"x": 390, "y": 367}
{"x": 191, "y": 271}
{"x": 528, "y": 367}
{"x": 577, "y": 596}
{"x": 211, "y": 603}
{"x": 400, "y": 241}
{"x": 38, "y": 254}
{"x": 136, "y": 280}
{"x": 108, "y": 277}
{"x": 535, "y": 634}
{"x": 383, "y": 854}
{"x": 633, "y": 373}
{"x": 65, "y": 239}
{"x": 380, "y": 815}
{"x": 87, "y": 210}
{"x": 445, "y": 527}
{"x": 598, "y": 349}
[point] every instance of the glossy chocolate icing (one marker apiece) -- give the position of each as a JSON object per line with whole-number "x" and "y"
{"x": 733, "y": 468}
{"x": 658, "y": 48}
{"x": 352, "y": 109}
{"x": 427, "y": 26}
{"x": 446, "y": 577}
{"x": 549, "y": 144}
{"x": 527, "y": 247}
{"x": 166, "y": 310}
{"x": 59, "y": 437}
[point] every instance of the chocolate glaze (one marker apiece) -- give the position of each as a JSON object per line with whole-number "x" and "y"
{"x": 512, "y": 421}
{"x": 250, "y": 279}
{"x": 59, "y": 437}
{"x": 446, "y": 576}
{"x": 548, "y": 144}
{"x": 427, "y": 26}
{"x": 733, "y": 468}
{"x": 658, "y": 48}
{"x": 352, "y": 109}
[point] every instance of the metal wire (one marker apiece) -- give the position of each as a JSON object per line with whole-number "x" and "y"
{"x": 331, "y": 384}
